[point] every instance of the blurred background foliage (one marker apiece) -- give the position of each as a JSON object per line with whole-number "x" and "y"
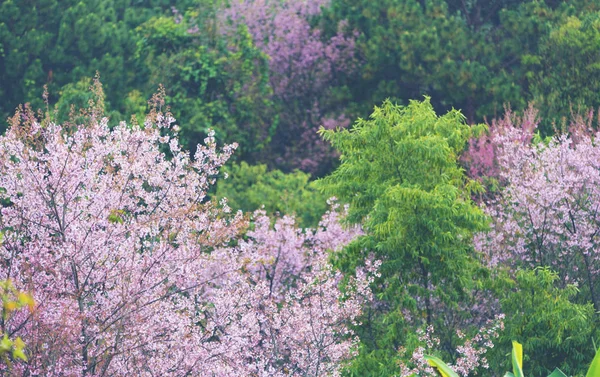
{"x": 476, "y": 56}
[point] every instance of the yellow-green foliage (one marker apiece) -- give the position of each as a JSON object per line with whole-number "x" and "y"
{"x": 12, "y": 300}
{"x": 400, "y": 176}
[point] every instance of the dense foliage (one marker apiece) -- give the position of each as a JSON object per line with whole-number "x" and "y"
{"x": 268, "y": 73}
{"x": 400, "y": 175}
{"x": 253, "y": 187}
{"x": 369, "y": 248}
{"x": 476, "y": 55}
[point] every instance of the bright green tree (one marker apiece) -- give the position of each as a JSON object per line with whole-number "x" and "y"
{"x": 400, "y": 176}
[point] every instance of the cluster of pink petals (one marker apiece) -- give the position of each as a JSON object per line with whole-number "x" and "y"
{"x": 471, "y": 352}
{"x": 512, "y": 129}
{"x": 547, "y": 213}
{"x": 303, "y": 66}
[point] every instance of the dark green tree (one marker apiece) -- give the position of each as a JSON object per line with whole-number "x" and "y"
{"x": 457, "y": 53}
{"x": 564, "y": 75}
{"x": 474, "y": 55}
{"x": 216, "y": 80}
{"x": 64, "y": 42}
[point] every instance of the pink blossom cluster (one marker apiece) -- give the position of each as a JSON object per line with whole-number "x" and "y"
{"x": 300, "y": 59}
{"x": 510, "y": 130}
{"x": 135, "y": 272}
{"x": 309, "y": 334}
{"x": 547, "y": 215}
{"x": 471, "y": 352}
{"x": 514, "y": 130}
{"x": 286, "y": 251}
{"x": 303, "y": 65}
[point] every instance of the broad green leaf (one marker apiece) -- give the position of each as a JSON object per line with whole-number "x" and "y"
{"x": 509, "y": 374}
{"x": 5, "y": 344}
{"x": 19, "y": 354}
{"x": 594, "y": 370}
{"x": 557, "y": 373}
{"x": 442, "y": 367}
{"x": 517, "y": 359}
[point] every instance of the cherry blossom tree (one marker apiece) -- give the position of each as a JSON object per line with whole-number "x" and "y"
{"x": 481, "y": 155}
{"x": 304, "y": 67}
{"x": 135, "y": 272}
{"x": 471, "y": 353}
{"x": 290, "y": 265}
{"x": 547, "y": 215}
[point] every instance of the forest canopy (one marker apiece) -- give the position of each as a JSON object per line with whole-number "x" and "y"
{"x": 299, "y": 188}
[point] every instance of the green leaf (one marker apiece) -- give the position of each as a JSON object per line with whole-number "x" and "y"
{"x": 517, "y": 359}
{"x": 19, "y": 354}
{"x": 594, "y": 370}
{"x": 442, "y": 367}
{"x": 557, "y": 373}
{"x": 5, "y": 344}
{"x": 115, "y": 216}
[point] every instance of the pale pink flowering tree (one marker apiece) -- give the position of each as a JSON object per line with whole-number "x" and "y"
{"x": 482, "y": 154}
{"x": 110, "y": 236}
{"x": 133, "y": 271}
{"x": 481, "y": 158}
{"x": 286, "y": 251}
{"x": 309, "y": 334}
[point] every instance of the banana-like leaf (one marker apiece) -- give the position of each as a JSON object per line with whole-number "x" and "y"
{"x": 594, "y": 370}
{"x": 442, "y": 367}
{"x": 557, "y": 373}
{"x": 517, "y": 359}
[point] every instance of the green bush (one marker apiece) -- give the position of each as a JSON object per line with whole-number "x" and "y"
{"x": 554, "y": 330}
{"x": 249, "y": 187}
